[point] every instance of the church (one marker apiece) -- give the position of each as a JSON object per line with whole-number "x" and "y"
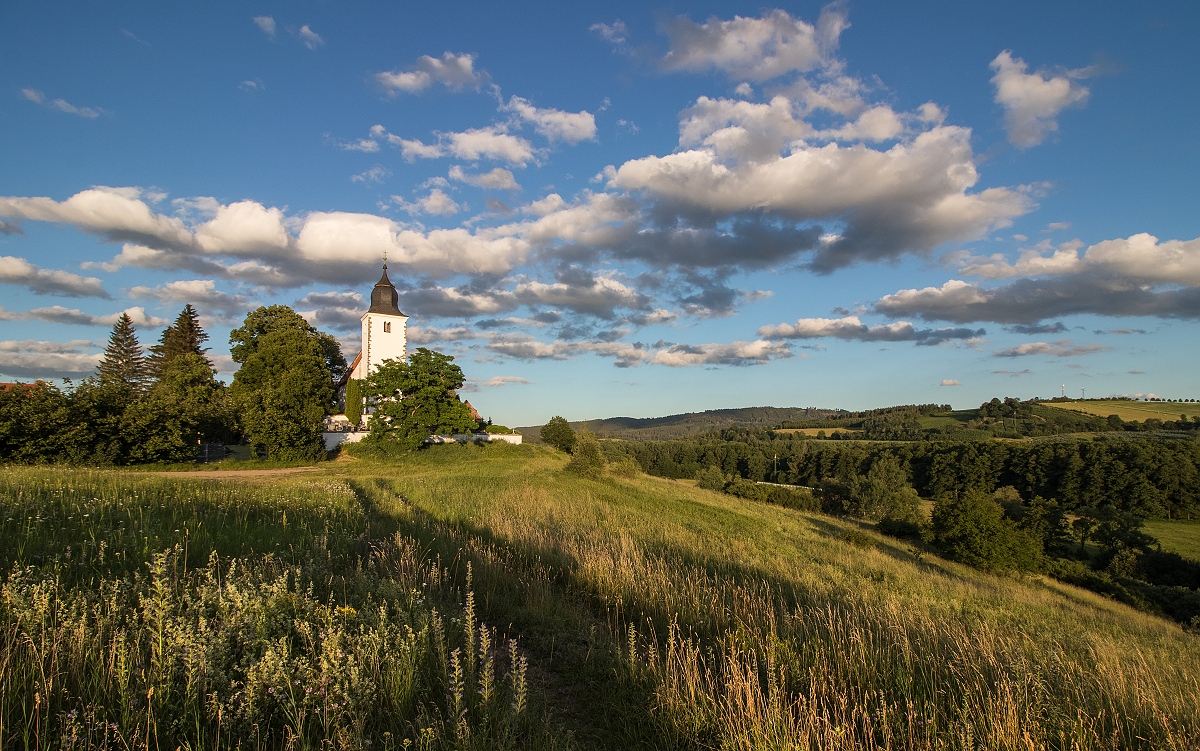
{"x": 384, "y": 331}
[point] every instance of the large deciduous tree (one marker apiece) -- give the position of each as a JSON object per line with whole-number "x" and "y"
{"x": 416, "y": 399}
{"x": 284, "y": 388}
{"x": 186, "y": 407}
{"x": 244, "y": 340}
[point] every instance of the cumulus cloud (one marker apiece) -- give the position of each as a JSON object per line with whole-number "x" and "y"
{"x": 912, "y": 197}
{"x": 624, "y": 355}
{"x": 556, "y": 125}
{"x": 496, "y": 381}
{"x": 454, "y": 71}
{"x": 1033, "y": 101}
{"x": 1060, "y": 348}
{"x": 376, "y": 174}
{"x": 62, "y": 105}
{"x": 1135, "y": 276}
{"x": 40, "y": 281}
{"x": 579, "y": 291}
{"x": 437, "y": 203}
{"x": 950, "y": 382}
{"x": 497, "y": 179}
{"x": 116, "y": 214}
{"x": 851, "y": 328}
{"x": 755, "y": 49}
{"x": 471, "y": 145}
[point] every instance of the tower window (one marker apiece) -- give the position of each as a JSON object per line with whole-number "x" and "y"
{"x": 387, "y": 327}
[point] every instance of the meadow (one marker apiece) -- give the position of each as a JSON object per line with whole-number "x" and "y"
{"x": 624, "y": 613}
{"x": 1129, "y": 410}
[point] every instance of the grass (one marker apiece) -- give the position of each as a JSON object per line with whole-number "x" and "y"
{"x": 1130, "y": 410}
{"x": 1182, "y": 537}
{"x": 653, "y": 614}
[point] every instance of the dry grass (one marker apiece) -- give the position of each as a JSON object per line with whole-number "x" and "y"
{"x": 1130, "y": 410}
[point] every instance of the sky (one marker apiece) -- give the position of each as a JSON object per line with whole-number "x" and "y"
{"x": 613, "y": 209}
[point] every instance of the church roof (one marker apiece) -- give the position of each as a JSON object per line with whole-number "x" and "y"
{"x": 384, "y": 298}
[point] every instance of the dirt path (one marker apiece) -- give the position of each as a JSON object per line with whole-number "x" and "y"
{"x": 232, "y": 474}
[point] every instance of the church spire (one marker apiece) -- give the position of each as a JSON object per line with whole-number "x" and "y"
{"x": 384, "y": 298}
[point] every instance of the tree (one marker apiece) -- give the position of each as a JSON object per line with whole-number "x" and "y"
{"x": 123, "y": 364}
{"x": 184, "y": 337}
{"x": 972, "y": 529}
{"x": 354, "y": 401}
{"x": 186, "y": 407}
{"x": 586, "y": 459}
{"x": 416, "y": 399}
{"x": 244, "y": 340}
{"x": 283, "y": 389}
{"x": 874, "y": 496}
{"x": 558, "y": 433}
{"x": 711, "y": 478}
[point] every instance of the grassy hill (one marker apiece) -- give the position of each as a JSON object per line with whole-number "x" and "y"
{"x": 375, "y": 601}
{"x": 1130, "y": 410}
{"x": 691, "y": 423}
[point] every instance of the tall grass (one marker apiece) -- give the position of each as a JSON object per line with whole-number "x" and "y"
{"x": 748, "y": 626}
{"x": 304, "y": 633}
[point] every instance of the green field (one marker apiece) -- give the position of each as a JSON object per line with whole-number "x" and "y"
{"x": 647, "y": 614}
{"x": 1129, "y": 410}
{"x": 1181, "y": 537}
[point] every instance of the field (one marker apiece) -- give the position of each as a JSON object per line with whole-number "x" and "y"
{"x": 1181, "y": 537}
{"x": 348, "y": 605}
{"x": 1129, "y": 410}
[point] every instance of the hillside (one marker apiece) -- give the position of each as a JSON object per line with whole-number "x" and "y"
{"x": 690, "y": 423}
{"x": 651, "y": 614}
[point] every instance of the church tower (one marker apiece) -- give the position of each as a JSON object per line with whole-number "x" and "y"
{"x": 384, "y": 330}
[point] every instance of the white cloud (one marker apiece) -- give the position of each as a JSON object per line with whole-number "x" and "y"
{"x": 47, "y": 360}
{"x": 374, "y": 175}
{"x": 556, "y": 125}
{"x": 950, "y": 382}
{"x": 454, "y": 71}
{"x": 736, "y": 353}
{"x": 488, "y": 143}
{"x": 1033, "y": 101}
{"x": 62, "y": 105}
{"x": 851, "y": 328}
{"x": 15, "y": 270}
{"x": 497, "y": 179}
{"x": 496, "y": 381}
{"x": 244, "y": 228}
{"x": 202, "y": 293}
{"x": 1060, "y": 348}
{"x": 116, "y": 214}
{"x": 756, "y": 49}
{"x": 266, "y": 24}
{"x": 613, "y": 33}
{"x": 365, "y": 145}
{"x": 60, "y": 314}
{"x": 912, "y": 197}
{"x": 1138, "y": 259}
{"x": 310, "y": 38}
{"x": 437, "y": 203}
{"x": 597, "y": 296}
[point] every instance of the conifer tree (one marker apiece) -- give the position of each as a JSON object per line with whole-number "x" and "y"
{"x": 184, "y": 337}
{"x": 124, "y": 363}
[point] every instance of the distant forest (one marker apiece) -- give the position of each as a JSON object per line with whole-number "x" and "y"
{"x": 693, "y": 423}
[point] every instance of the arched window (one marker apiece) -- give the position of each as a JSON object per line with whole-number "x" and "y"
{"x": 387, "y": 327}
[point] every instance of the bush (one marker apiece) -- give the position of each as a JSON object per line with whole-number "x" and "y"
{"x": 793, "y": 498}
{"x": 586, "y": 460}
{"x": 711, "y": 478}
{"x": 626, "y": 467}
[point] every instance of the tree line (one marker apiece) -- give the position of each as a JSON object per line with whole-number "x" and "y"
{"x": 163, "y": 404}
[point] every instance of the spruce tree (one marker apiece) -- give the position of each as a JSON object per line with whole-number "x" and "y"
{"x": 124, "y": 363}
{"x": 184, "y": 337}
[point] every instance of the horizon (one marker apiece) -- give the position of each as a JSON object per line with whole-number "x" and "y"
{"x": 651, "y": 210}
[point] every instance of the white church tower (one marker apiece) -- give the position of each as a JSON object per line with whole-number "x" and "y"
{"x": 384, "y": 330}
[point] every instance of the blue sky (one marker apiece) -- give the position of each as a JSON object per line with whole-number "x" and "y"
{"x": 622, "y": 208}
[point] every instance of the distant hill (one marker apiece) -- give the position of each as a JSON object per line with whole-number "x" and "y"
{"x": 691, "y": 423}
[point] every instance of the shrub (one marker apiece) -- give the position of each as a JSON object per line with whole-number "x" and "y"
{"x": 711, "y": 478}
{"x": 586, "y": 460}
{"x": 626, "y": 467}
